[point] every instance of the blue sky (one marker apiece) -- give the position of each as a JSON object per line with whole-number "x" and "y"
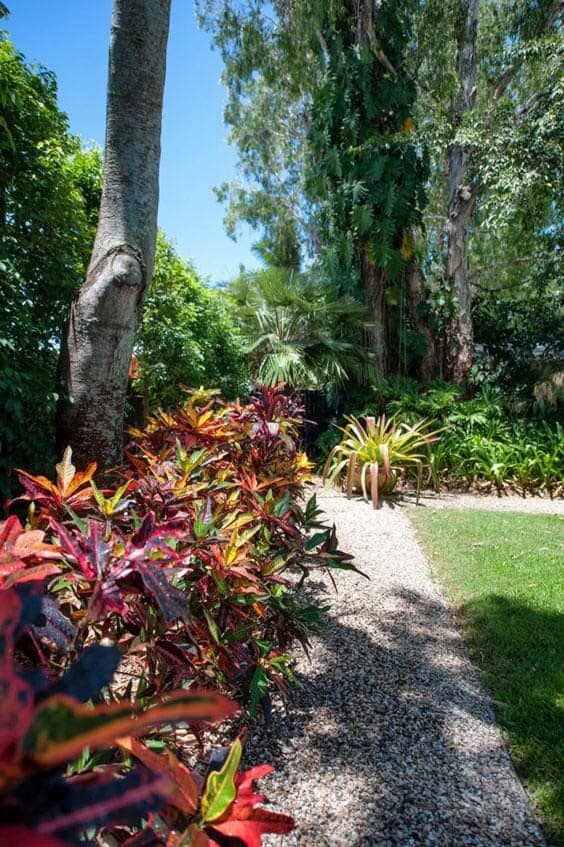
{"x": 70, "y": 37}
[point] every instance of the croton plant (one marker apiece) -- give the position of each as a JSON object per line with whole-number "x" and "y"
{"x": 186, "y": 561}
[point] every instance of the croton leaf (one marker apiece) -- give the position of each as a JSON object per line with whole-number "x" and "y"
{"x": 172, "y": 602}
{"x": 247, "y": 826}
{"x": 186, "y": 793}
{"x": 64, "y": 492}
{"x": 23, "y": 554}
{"x": 51, "y": 623}
{"x": 68, "y": 480}
{"x": 26, "y": 837}
{"x": 220, "y": 790}
{"x": 62, "y": 727}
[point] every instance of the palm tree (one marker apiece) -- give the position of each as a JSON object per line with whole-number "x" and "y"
{"x": 298, "y": 333}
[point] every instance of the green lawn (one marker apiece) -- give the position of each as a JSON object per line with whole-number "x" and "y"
{"x": 504, "y": 573}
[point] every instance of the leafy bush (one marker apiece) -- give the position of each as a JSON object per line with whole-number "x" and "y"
{"x": 488, "y": 441}
{"x": 46, "y": 725}
{"x": 187, "y": 336}
{"x": 187, "y": 559}
{"x": 299, "y": 332}
{"x": 191, "y": 547}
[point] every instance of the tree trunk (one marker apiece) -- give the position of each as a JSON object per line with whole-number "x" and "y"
{"x": 429, "y": 364}
{"x": 374, "y": 281}
{"x": 104, "y": 316}
{"x": 459, "y": 343}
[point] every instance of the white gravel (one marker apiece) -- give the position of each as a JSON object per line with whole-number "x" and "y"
{"x": 490, "y": 502}
{"x": 391, "y": 741}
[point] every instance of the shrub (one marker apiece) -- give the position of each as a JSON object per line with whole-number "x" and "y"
{"x": 488, "y": 441}
{"x": 46, "y": 725}
{"x": 187, "y": 559}
{"x": 380, "y": 452}
{"x": 188, "y": 554}
{"x": 297, "y": 330}
{"x": 187, "y": 335}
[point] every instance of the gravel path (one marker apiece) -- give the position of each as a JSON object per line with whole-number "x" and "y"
{"x": 490, "y": 502}
{"x": 391, "y": 741}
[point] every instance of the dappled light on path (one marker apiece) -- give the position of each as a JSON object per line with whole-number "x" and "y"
{"x": 391, "y": 740}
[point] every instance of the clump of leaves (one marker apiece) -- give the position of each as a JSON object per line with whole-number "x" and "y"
{"x": 378, "y": 453}
{"x": 189, "y": 557}
{"x": 489, "y": 440}
{"x": 220, "y": 811}
{"x": 45, "y": 724}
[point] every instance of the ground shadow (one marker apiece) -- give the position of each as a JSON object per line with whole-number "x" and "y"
{"x": 519, "y": 651}
{"x": 398, "y": 747}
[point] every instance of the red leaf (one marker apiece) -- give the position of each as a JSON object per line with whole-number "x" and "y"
{"x": 185, "y": 797}
{"x": 244, "y": 782}
{"x": 21, "y": 835}
{"x": 250, "y": 831}
{"x": 37, "y": 572}
{"x": 9, "y": 531}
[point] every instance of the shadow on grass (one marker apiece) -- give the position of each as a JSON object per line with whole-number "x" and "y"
{"x": 520, "y": 653}
{"x": 392, "y": 738}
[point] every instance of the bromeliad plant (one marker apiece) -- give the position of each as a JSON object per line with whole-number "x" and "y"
{"x": 371, "y": 457}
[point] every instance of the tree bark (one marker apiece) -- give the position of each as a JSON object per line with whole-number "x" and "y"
{"x": 459, "y": 342}
{"x": 429, "y": 364}
{"x": 374, "y": 281}
{"x": 100, "y": 330}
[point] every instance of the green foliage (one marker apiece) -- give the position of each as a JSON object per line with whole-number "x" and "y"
{"x": 187, "y": 336}
{"x": 488, "y": 441}
{"x": 49, "y": 198}
{"x": 298, "y": 333}
{"x": 48, "y": 205}
{"x": 268, "y": 71}
{"x": 512, "y": 137}
{"x": 365, "y": 171}
{"x": 504, "y": 576}
{"x": 379, "y": 452}
{"x": 519, "y": 317}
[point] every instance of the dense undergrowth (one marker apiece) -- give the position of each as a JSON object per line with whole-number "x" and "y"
{"x": 186, "y": 561}
{"x": 486, "y": 443}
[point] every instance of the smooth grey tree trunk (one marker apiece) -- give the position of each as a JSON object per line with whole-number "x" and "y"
{"x": 459, "y": 341}
{"x": 104, "y": 316}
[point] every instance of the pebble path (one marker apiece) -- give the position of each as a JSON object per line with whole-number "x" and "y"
{"x": 391, "y": 741}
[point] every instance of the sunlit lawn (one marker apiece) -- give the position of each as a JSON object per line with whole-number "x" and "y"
{"x": 504, "y": 573}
